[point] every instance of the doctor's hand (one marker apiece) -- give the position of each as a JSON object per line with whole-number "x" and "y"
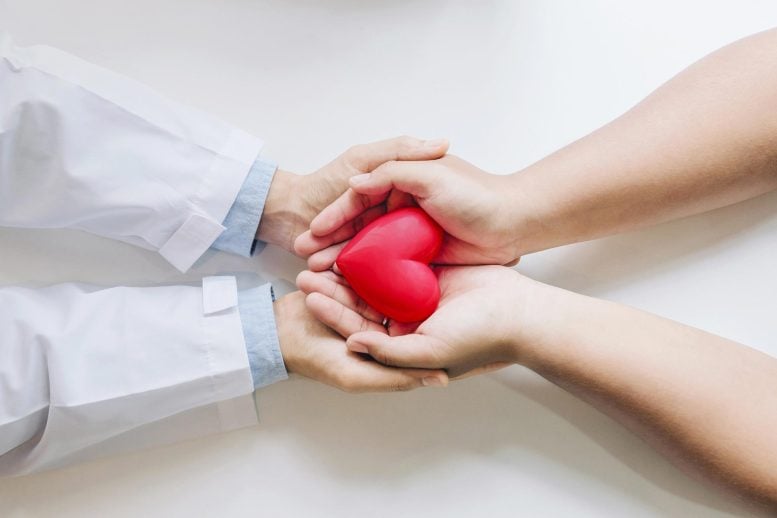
{"x": 312, "y": 350}
{"x": 294, "y": 200}
{"x": 481, "y": 213}
{"x": 476, "y": 328}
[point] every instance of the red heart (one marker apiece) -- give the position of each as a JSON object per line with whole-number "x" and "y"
{"x": 387, "y": 264}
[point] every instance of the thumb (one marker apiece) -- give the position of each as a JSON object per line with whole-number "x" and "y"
{"x": 415, "y": 178}
{"x": 415, "y": 351}
{"x": 366, "y": 157}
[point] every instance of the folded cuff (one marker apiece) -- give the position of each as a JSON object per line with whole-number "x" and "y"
{"x": 261, "y": 335}
{"x": 243, "y": 218}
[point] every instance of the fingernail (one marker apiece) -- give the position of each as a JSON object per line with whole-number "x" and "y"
{"x": 432, "y": 381}
{"x": 359, "y": 179}
{"x": 435, "y": 143}
{"x": 357, "y": 347}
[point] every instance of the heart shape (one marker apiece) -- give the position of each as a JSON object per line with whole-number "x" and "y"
{"x": 387, "y": 264}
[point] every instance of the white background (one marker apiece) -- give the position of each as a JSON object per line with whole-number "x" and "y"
{"x": 507, "y": 82}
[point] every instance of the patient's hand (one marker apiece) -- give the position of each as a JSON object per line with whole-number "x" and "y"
{"x": 484, "y": 216}
{"x": 477, "y": 326}
{"x": 313, "y": 350}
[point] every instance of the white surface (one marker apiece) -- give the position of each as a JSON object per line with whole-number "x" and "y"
{"x": 507, "y": 81}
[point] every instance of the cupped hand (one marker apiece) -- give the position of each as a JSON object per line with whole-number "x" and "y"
{"x": 313, "y": 350}
{"x": 476, "y": 209}
{"x": 294, "y": 200}
{"x": 475, "y": 328}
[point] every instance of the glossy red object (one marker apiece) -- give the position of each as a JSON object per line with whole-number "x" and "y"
{"x": 387, "y": 264}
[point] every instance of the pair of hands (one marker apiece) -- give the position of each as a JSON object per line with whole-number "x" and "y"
{"x": 472, "y": 330}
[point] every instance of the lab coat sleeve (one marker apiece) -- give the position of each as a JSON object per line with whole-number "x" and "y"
{"x": 84, "y": 148}
{"x": 80, "y": 366}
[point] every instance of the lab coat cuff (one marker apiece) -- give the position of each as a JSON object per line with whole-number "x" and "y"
{"x": 261, "y": 335}
{"x": 217, "y": 193}
{"x": 225, "y": 339}
{"x": 243, "y": 218}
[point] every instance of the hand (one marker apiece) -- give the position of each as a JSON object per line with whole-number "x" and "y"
{"x": 477, "y": 210}
{"x": 477, "y": 326}
{"x": 311, "y": 349}
{"x": 293, "y": 200}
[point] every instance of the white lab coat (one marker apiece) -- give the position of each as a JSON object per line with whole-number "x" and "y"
{"x": 87, "y": 371}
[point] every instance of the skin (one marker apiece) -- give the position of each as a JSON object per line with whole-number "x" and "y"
{"x": 313, "y": 350}
{"x": 706, "y": 139}
{"x": 706, "y": 402}
{"x": 294, "y": 200}
{"x": 309, "y": 348}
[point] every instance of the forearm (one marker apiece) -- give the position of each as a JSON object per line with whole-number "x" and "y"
{"x": 706, "y": 402}
{"x": 84, "y": 148}
{"x": 706, "y": 139}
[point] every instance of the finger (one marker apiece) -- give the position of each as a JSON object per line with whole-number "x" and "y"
{"x": 325, "y": 259}
{"x": 369, "y": 376}
{"x": 329, "y": 274}
{"x": 416, "y": 351}
{"x": 335, "y": 315}
{"x": 307, "y": 243}
{"x": 513, "y": 263}
{"x": 366, "y": 157}
{"x": 331, "y": 285}
{"x": 416, "y": 178}
{"x": 348, "y": 206}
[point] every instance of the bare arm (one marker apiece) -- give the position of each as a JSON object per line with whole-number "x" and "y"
{"x": 706, "y": 139}
{"x": 708, "y": 403}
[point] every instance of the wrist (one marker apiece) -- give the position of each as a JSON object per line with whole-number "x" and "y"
{"x": 524, "y": 214}
{"x": 282, "y": 218}
{"x": 510, "y": 313}
{"x": 283, "y": 320}
{"x": 534, "y": 310}
{"x": 545, "y": 323}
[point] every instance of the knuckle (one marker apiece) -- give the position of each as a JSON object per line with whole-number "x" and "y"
{"x": 363, "y": 325}
{"x": 334, "y": 288}
{"x": 340, "y": 317}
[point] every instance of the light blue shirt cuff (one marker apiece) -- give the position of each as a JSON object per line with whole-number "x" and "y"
{"x": 243, "y": 218}
{"x": 261, "y": 335}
